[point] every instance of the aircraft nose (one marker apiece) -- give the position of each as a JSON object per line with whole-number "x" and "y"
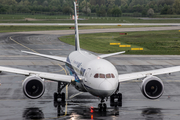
{"x": 105, "y": 85}
{"x": 106, "y": 89}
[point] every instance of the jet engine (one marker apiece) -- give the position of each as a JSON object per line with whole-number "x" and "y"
{"x": 33, "y": 87}
{"x": 152, "y": 87}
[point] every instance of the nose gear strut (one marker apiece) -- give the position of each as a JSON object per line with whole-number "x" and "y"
{"x": 102, "y": 106}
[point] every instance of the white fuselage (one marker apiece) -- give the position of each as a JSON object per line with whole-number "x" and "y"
{"x": 100, "y": 76}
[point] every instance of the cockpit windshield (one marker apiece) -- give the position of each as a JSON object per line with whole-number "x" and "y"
{"x": 100, "y": 75}
{"x": 96, "y": 76}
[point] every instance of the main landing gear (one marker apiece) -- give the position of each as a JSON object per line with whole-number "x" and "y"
{"x": 59, "y": 98}
{"x": 116, "y": 99}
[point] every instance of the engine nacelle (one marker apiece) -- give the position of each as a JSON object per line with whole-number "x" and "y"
{"x": 33, "y": 87}
{"x": 152, "y": 87}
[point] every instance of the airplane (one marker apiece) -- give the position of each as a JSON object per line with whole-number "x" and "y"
{"x": 90, "y": 73}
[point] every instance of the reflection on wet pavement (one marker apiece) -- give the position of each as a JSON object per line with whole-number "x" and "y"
{"x": 33, "y": 113}
{"x": 152, "y": 113}
{"x": 15, "y": 106}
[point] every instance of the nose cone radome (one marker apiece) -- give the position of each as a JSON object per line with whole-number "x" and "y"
{"x": 106, "y": 89}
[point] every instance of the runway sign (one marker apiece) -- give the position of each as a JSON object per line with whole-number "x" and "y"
{"x": 123, "y": 33}
{"x": 136, "y": 48}
{"x": 124, "y": 45}
{"x": 115, "y": 43}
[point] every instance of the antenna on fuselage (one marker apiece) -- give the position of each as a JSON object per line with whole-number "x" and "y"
{"x": 77, "y": 46}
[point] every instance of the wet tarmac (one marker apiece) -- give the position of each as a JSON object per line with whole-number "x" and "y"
{"x": 14, "y": 105}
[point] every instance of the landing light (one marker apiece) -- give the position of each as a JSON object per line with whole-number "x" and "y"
{"x": 91, "y": 109}
{"x": 98, "y": 57}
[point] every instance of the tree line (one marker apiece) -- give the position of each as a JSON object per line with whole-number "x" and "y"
{"x": 89, "y": 7}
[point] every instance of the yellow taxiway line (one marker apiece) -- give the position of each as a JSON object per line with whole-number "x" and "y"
{"x": 58, "y": 65}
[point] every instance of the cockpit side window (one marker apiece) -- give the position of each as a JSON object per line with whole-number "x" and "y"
{"x": 108, "y": 75}
{"x": 112, "y": 75}
{"x": 96, "y": 75}
{"x": 102, "y": 75}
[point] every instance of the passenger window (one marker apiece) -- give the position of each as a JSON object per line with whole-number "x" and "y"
{"x": 112, "y": 75}
{"x": 108, "y": 76}
{"x": 102, "y": 76}
{"x": 96, "y": 75}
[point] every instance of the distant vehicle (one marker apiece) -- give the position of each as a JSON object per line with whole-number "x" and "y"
{"x": 90, "y": 73}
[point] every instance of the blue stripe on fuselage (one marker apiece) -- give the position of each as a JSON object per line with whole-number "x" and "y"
{"x": 71, "y": 70}
{"x": 87, "y": 86}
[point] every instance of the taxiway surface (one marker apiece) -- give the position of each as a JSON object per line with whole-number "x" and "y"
{"x": 84, "y": 31}
{"x": 14, "y": 105}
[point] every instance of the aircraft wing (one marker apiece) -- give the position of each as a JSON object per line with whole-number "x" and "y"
{"x": 137, "y": 75}
{"x": 62, "y": 59}
{"x": 111, "y": 54}
{"x": 47, "y": 76}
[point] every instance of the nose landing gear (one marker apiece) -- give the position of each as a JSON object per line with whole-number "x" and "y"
{"x": 102, "y": 106}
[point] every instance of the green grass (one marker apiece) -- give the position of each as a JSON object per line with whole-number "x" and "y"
{"x": 43, "y": 28}
{"x": 30, "y": 28}
{"x": 37, "y": 16}
{"x": 166, "y": 16}
{"x": 153, "y": 42}
{"x": 19, "y": 18}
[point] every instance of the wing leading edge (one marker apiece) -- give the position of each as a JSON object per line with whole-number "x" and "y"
{"x": 48, "y": 76}
{"x": 137, "y": 75}
{"x": 111, "y": 54}
{"x": 62, "y": 59}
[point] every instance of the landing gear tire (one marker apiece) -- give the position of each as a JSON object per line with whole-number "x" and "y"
{"x": 59, "y": 95}
{"x": 120, "y": 96}
{"x": 100, "y": 106}
{"x": 116, "y": 100}
{"x": 119, "y": 99}
{"x": 112, "y": 98}
{"x": 55, "y": 97}
{"x": 63, "y": 97}
{"x": 104, "y": 107}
